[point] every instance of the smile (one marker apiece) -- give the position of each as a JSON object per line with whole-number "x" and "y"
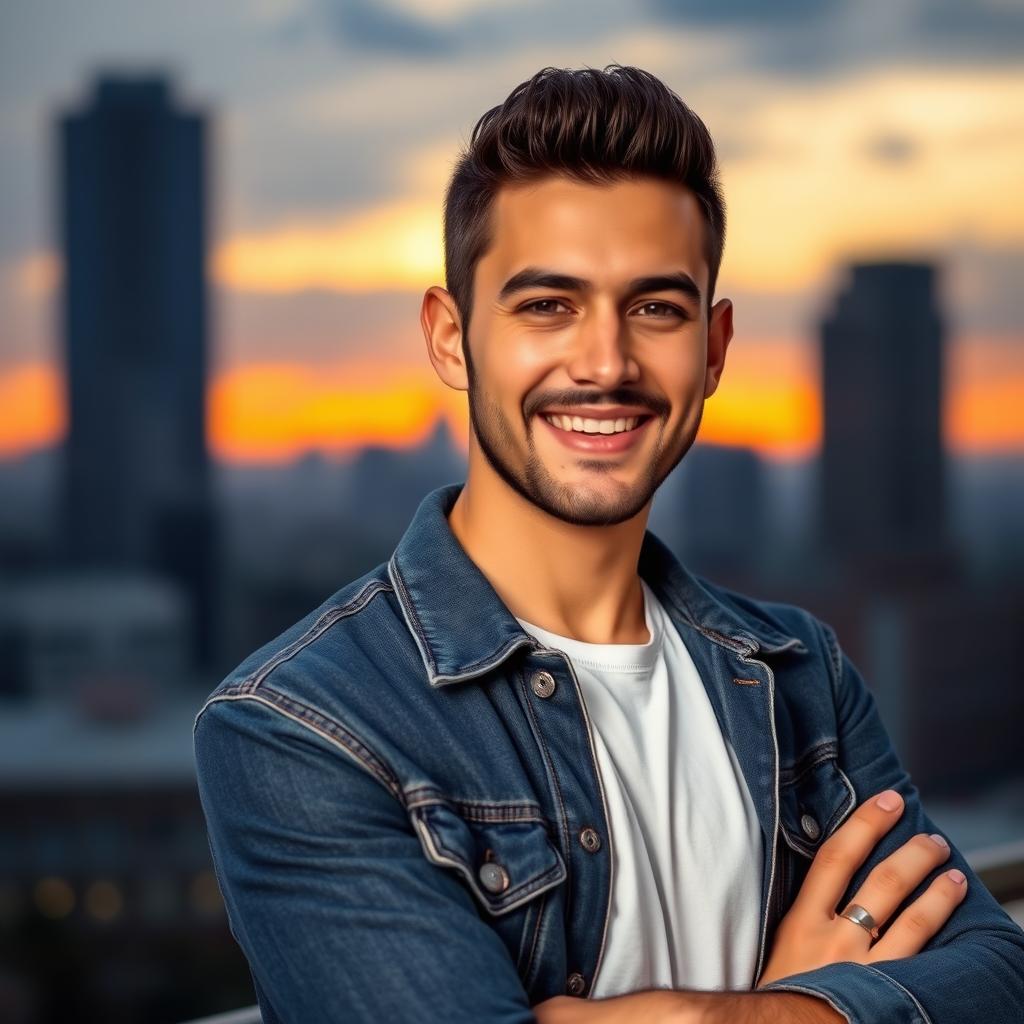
{"x": 594, "y": 435}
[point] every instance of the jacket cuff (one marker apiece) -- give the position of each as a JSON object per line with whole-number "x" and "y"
{"x": 861, "y": 992}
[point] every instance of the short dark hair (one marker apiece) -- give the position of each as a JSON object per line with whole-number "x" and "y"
{"x": 596, "y": 126}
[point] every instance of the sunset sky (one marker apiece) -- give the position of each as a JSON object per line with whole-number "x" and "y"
{"x": 846, "y": 130}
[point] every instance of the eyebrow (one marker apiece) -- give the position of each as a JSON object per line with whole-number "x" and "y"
{"x": 538, "y": 277}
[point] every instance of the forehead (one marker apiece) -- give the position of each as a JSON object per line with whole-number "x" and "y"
{"x": 605, "y": 232}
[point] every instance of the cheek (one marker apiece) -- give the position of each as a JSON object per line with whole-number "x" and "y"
{"x": 681, "y": 376}
{"x": 514, "y": 373}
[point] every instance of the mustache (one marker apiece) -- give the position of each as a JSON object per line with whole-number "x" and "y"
{"x": 570, "y": 399}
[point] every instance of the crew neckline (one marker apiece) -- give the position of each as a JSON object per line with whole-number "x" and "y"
{"x": 625, "y": 658}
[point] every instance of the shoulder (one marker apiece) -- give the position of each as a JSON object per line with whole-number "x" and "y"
{"x": 342, "y": 674}
{"x": 354, "y": 638}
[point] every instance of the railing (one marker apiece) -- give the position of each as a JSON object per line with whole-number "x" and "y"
{"x": 250, "y": 1015}
{"x": 1001, "y": 869}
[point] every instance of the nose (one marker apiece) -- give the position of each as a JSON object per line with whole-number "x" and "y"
{"x": 602, "y": 351}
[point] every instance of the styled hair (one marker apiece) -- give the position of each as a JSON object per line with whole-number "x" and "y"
{"x": 595, "y": 126}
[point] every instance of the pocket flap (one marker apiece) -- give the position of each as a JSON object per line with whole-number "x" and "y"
{"x": 813, "y": 804}
{"x": 524, "y": 860}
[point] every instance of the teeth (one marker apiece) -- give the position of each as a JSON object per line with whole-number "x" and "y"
{"x": 590, "y": 426}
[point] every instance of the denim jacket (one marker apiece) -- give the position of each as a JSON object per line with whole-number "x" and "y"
{"x": 401, "y": 795}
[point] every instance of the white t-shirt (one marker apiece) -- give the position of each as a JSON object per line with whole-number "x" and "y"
{"x": 686, "y": 842}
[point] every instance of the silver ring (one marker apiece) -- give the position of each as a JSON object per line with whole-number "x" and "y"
{"x": 858, "y": 915}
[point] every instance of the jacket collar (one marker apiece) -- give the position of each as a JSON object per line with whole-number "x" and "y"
{"x": 463, "y": 629}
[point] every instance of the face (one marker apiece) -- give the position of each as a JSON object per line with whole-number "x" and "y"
{"x": 590, "y": 350}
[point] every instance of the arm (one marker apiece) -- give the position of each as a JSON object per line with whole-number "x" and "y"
{"x": 812, "y": 935}
{"x": 336, "y": 909}
{"x": 831, "y": 964}
{"x": 679, "y": 1006}
{"x": 973, "y": 966}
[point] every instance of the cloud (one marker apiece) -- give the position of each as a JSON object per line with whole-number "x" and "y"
{"x": 818, "y": 38}
{"x": 364, "y": 24}
{"x": 891, "y": 148}
{"x": 720, "y": 12}
{"x": 796, "y": 37}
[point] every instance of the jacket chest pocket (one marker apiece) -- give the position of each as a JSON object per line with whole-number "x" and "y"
{"x": 507, "y": 865}
{"x": 815, "y": 798}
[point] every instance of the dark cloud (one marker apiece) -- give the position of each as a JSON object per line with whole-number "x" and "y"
{"x": 810, "y": 38}
{"x": 366, "y": 25}
{"x": 973, "y": 21}
{"x": 730, "y": 12}
{"x": 376, "y": 27}
{"x": 891, "y": 148}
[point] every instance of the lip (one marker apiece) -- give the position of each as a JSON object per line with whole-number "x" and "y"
{"x": 598, "y": 443}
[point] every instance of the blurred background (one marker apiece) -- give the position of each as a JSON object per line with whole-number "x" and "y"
{"x": 217, "y": 222}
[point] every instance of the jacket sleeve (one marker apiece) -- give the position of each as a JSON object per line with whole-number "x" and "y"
{"x": 328, "y": 892}
{"x": 973, "y": 968}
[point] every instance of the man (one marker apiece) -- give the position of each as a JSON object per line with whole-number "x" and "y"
{"x": 532, "y": 768}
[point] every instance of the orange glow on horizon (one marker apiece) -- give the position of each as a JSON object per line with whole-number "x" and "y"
{"x": 272, "y": 412}
{"x": 768, "y": 400}
{"x": 34, "y": 414}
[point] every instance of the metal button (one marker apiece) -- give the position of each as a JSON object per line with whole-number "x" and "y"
{"x": 590, "y": 840}
{"x": 542, "y": 683}
{"x": 575, "y": 983}
{"x": 811, "y": 828}
{"x": 493, "y": 877}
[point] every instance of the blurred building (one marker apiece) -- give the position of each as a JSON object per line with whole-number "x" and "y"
{"x": 132, "y": 214}
{"x": 943, "y": 663}
{"x": 115, "y": 640}
{"x": 387, "y": 484}
{"x": 936, "y": 651}
{"x": 883, "y": 474}
{"x": 109, "y": 908}
{"x": 713, "y": 512}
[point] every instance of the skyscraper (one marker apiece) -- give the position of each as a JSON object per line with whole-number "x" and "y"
{"x": 882, "y": 470}
{"x": 133, "y": 225}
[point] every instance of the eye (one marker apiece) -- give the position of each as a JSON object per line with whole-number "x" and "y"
{"x": 531, "y": 307}
{"x": 671, "y": 310}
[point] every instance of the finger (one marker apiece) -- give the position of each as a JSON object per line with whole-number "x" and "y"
{"x": 911, "y": 929}
{"x": 893, "y": 879}
{"x": 844, "y": 851}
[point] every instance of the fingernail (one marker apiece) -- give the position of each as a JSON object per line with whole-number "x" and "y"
{"x": 890, "y": 800}
{"x": 957, "y": 876}
{"x": 939, "y": 840}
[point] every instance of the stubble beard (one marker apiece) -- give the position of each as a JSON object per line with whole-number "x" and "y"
{"x": 574, "y": 504}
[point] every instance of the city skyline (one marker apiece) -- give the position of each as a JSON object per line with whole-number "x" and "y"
{"x": 327, "y": 206}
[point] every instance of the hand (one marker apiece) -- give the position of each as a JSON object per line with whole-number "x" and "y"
{"x": 811, "y": 934}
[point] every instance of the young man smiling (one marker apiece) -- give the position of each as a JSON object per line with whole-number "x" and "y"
{"x": 532, "y": 768}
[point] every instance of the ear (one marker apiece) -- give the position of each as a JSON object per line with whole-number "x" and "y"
{"x": 442, "y": 329}
{"x": 719, "y": 336}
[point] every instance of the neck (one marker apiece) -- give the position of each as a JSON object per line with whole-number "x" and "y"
{"x": 577, "y": 581}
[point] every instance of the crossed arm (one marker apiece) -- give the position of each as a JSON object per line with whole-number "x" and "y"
{"x": 812, "y": 934}
{"x": 949, "y": 956}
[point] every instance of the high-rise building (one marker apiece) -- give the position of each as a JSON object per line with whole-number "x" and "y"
{"x": 714, "y": 512}
{"x": 883, "y": 498}
{"x": 133, "y": 221}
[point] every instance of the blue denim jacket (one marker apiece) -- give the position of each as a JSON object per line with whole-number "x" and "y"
{"x": 400, "y": 792}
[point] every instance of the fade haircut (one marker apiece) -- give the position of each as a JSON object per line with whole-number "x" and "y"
{"x": 594, "y": 126}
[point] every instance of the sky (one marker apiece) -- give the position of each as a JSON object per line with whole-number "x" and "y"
{"x": 846, "y": 130}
